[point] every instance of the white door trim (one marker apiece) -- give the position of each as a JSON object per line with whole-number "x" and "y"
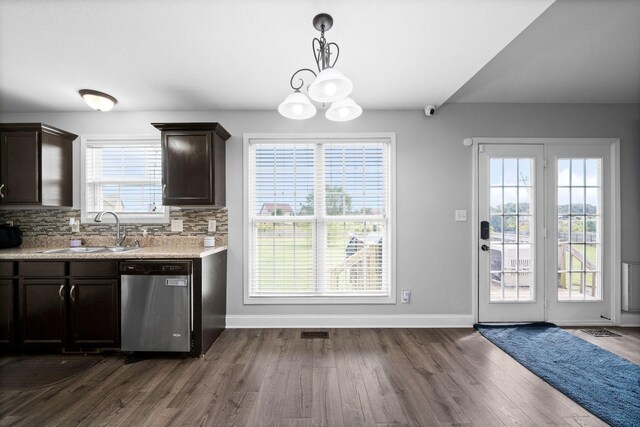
{"x": 615, "y": 220}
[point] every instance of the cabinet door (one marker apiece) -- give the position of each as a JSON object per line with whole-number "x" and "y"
{"x": 94, "y": 313}
{"x": 19, "y": 168}
{"x": 187, "y": 170}
{"x": 6, "y": 313}
{"x": 42, "y": 313}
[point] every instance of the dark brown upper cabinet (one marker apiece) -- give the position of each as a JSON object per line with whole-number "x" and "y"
{"x": 35, "y": 165}
{"x": 193, "y": 163}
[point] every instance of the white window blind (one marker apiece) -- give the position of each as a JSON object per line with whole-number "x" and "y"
{"x": 319, "y": 218}
{"x": 123, "y": 175}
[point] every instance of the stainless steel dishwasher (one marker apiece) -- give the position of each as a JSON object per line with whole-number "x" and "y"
{"x": 156, "y": 305}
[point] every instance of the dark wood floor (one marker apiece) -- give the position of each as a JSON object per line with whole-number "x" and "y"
{"x": 271, "y": 377}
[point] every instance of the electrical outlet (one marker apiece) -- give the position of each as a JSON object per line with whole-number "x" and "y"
{"x": 177, "y": 225}
{"x": 9, "y": 223}
{"x": 213, "y": 225}
{"x": 75, "y": 228}
{"x": 406, "y": 296}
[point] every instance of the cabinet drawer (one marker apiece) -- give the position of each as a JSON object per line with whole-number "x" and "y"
{"x": 42, "y": 268}
{"x": 7, "y": 268}
{"x": 93, "y": 268}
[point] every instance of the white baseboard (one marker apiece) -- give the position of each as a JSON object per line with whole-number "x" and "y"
{"x": 350, "y": 321}
{"x": 602, "y": 322}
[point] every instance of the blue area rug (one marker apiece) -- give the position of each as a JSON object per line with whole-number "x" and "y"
{"x": 603, "y": 383}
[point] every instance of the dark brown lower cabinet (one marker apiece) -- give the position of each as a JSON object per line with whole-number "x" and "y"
{"x": 7, "y": 331}
{"x": 61, "y": 305}
{"x": 42, "y": 313}
{"x": 94, "y": 312}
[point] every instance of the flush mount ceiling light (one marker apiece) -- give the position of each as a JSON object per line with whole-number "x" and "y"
{"x": 98, "y": 100}
{"x": 329, "y": 85}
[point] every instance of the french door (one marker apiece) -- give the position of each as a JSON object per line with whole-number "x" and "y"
{"x": 511, "y": 257}
{"x": 546, "y": 246}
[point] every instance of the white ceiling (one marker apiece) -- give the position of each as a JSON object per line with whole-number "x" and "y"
{"x": 577, "y": 51}
{"x": 208, "y": 55}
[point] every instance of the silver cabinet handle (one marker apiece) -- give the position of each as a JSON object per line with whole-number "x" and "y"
{"x": 2, "y": 196}
{"x": 60, "y": 292}
{"x": 73, "y": 288}
{"x": 164, "y": 190}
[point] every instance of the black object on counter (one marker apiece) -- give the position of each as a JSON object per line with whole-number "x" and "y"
{"x": 10, "y": 236}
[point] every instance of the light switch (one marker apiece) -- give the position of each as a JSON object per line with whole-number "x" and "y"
{"x": 177, "y": 225}
{"x": 213, "y": 225}
{"x": 461, "y": 215}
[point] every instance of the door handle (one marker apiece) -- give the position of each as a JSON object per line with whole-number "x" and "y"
{"x": 73, "y": 288}
{"x": 60, "y": 294}
{"x": 164, "y": 191}
{"x": 484, "y": 248}
{"x": 2, "y": 195}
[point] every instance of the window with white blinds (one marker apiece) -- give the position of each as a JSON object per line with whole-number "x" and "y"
{"x": 319, "y": 219}
{"x": 123, "y": 174}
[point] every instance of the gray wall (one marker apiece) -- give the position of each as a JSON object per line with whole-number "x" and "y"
{"x": 433, "y": 179}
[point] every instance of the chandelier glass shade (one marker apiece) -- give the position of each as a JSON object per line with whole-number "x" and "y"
{"x": 329, "y": 84}
{"x": 297, "y": 106}
{"x": 343, "y": 110}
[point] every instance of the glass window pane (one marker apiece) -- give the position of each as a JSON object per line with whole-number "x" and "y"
{"x": 524, "y": 172}
{"x": 563, "y": 229}
{"x": 525, "y": 283}
{"x": 284, "y": 257}
{"x": 564, "y": 201}
{"x": 592, "y": 201}
{"x": 524, "y": 204}
{"x": 577, "y": 229}
{"x": 495, "y": 228}
{"x": 577, "y": 200}
{"x": 592, "y": 172}
{"x": 496, "y": 200}
{"x": 496, "y": 257}
{"x": 496, "y": 287}
{"x": 510, "y": 223}
{"x": 510, "y": 200}
{"x": 524, "y": 229}
{"x": 511, "y": 172}
{"x": 592, "y": 225}
{"x": 354, "y": 177}
{"x": 284, "y": 179}
{"x": 524, "y": 257}
{"x": 353, "y": 259}
{"x": 577, "y": 257}
{"x": 563, "y": 173}
{"x": 577, "y": 285}
{"x": 495, "y": 168}
{"x": 577, "y": 172}
{"x": 591, "y": 251}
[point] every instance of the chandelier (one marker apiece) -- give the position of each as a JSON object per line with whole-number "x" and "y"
{"x": 329, "y": 84}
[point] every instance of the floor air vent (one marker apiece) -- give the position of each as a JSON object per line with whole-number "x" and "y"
{"x": 600, "y": 333}
{"x": 314, "y": 334}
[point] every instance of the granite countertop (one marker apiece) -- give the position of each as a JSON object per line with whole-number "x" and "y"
{"x": 152, "y": 252}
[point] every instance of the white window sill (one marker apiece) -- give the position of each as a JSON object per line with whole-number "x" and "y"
{"x": 315, "y": 300}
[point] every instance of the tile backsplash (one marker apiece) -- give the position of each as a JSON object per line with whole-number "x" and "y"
{"x": 39, "y": 223}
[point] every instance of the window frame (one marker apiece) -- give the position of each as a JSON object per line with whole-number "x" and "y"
{"x": 85, "y": 218}
{"x": 251, "y": 138}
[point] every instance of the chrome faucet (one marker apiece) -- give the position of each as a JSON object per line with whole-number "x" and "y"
{"x": 120, "y": 235}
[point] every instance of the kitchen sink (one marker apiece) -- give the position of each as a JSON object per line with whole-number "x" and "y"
{"x": 80, "y": 250}
{"x": 119, "y": 249}
{"x": 90, "y": 249}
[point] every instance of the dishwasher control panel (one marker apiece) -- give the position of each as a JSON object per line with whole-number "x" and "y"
{"x": 156, "y": 268}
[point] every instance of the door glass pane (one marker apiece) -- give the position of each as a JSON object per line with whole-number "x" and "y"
{"x": 512, "y": 230}
{"x": 579, "y": 244}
